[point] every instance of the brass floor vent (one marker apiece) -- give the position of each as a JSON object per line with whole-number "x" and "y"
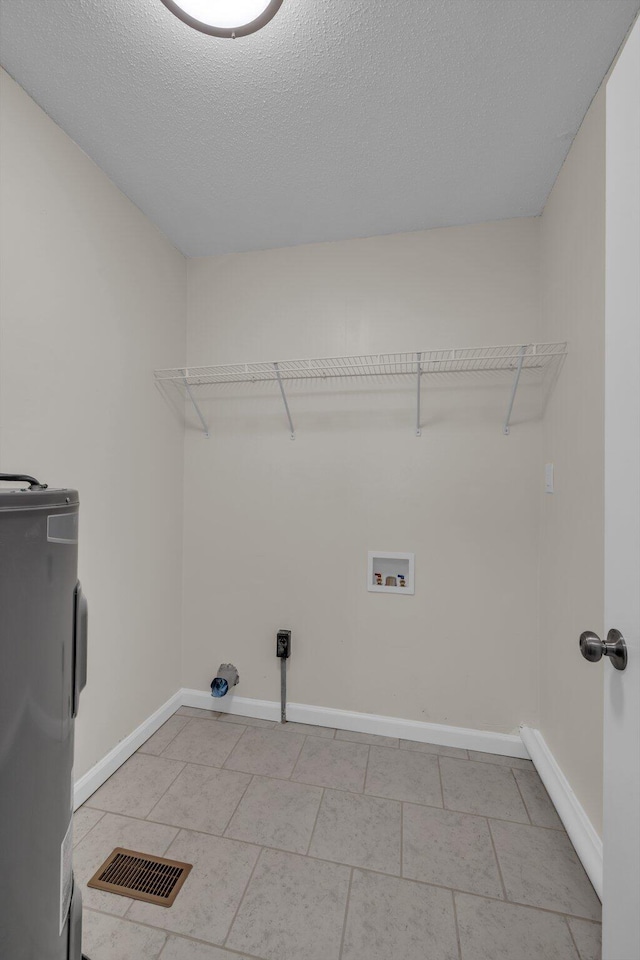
{"x": 141, "y": 876}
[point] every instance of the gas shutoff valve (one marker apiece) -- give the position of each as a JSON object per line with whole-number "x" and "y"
{"x": 283, "y": 644}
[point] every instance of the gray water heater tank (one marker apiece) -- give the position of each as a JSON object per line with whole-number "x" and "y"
{"x": 43, "y": 636}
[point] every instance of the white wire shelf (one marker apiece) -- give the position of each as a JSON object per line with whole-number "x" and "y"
{"x": 510, "y": 357}
{"x": 384, "y": 364}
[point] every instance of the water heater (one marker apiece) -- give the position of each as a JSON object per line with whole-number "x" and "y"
{"x": 43, "y": 645}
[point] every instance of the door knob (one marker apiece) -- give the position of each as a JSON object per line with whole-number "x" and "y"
{"x": 593, "y": 648}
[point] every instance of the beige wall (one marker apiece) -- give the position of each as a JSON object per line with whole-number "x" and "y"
{"x": 572, "y": 526}
{"x": 93, "y": 298}
{"x": 277, "y": 532}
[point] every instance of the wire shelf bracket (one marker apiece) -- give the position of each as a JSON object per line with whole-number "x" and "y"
{"x": 418, "y": 381}
{"x": 276, "y": 367}
{"x": 202, "y": 420}
{"x": 493, "y": 361}
{"x": 516, "y": 380}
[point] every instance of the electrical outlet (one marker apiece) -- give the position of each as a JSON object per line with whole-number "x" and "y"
{"x": 283, "y": 644}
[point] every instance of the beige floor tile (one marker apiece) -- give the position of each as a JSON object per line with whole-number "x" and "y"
{"x": 371, "y": 738}
{"x": 163, "y": 737}
{"x": 451, "y": 849}
{"x": 178, "y": 948}
{"x": 390, "y": 918}
{"x": 358, "y": 830}
{"x": 541, "y": 868}
{"x": 588, "y": 938}
{"x": 491, "y": 930}
{"x": 198, "y": 713}
{"x": 201, "y": 798}
{"x": 436, "y": 748}
{"x": 293, "y": 909}
{"x": 206, "y": 905}
{"x": 136, "y": 787}
{"x": 108, "y": 938}
{"x": 336, "y": 764}
{"x": 309, "y": 729}
{"x": 499, "y": 760}
{"x": 276, "y": 813}
{"x": 536, "y": 799}
{"x": 265, "y": 753}
{"x": 401, "y": 775}
{"x": 481, "y": 788}
{"x": 247, "y": 721}
{"x": 84, "y": 819}
{"x": 205, "y": 741}
{"x": 114, "y": 831}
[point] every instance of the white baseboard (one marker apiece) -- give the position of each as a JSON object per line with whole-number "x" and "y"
{"x": 507, "y": 745}
{"x": 582, "y": 833}
{"x": 101, "y": 772}
{"x": 241, "y": 706}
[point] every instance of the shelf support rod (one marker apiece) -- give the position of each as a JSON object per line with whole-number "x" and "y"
{"x": 284, "y": 400}
{"x": 196, "y": 407}
{"x": 516, "y": 380}
{"x": 419, "y": 378}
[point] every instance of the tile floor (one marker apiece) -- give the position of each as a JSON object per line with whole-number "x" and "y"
{"x": 317, "y": 844}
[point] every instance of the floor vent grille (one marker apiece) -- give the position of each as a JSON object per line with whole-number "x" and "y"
{"x": 141, "y": 877}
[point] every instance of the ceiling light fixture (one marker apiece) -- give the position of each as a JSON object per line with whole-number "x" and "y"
{"x": 225, "y": 18}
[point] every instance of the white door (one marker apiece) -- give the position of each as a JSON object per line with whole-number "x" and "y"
{"x": 621, "y": 905}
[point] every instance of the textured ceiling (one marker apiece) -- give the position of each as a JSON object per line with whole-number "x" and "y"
{"x": 341, "y": 118}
